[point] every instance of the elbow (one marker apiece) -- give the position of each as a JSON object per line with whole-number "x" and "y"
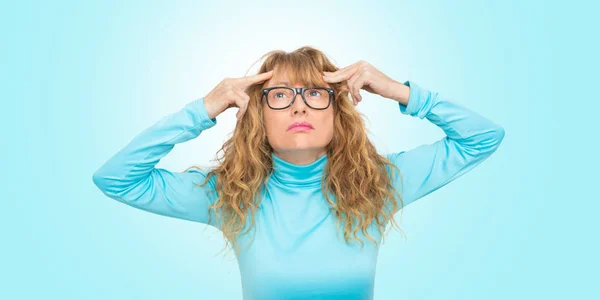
{"x": 99, "y": 180}
{"x": 116, "y": 186}
{"x": 498, "y": 136}
{"x": 487, "y": 144}
{"x": 493, "y": 140}
{"x": 106, "y": 183}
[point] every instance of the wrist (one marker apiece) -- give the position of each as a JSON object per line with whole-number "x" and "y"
{"x": 209, "y": 109}
{"x": 401, "y": 93}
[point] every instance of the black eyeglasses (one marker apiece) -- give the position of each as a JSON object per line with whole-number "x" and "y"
{"x": 282, "y": 97}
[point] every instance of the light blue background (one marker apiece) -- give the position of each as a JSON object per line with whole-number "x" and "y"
{"x": 81, "y": 79}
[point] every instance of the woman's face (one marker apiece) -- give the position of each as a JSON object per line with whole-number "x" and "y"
{"x": 297, "y": 146}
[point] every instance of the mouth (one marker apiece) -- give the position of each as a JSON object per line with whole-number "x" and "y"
{"x": 300, "y": 126}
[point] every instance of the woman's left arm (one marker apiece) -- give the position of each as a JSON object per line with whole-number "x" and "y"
{"x": 470, "y": 139}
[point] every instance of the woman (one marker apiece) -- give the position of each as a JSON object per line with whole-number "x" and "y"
{"x": 299, "y": 172}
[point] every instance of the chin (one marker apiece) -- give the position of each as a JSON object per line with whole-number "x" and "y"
{"x": 300, "y": 148}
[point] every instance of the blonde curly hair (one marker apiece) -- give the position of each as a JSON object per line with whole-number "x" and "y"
{"x": 356, "y": 175}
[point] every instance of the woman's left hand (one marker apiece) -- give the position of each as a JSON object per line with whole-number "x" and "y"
{"x": 362, "y": 75}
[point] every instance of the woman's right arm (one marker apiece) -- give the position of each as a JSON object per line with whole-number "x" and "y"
{"x": 130, "y": 175}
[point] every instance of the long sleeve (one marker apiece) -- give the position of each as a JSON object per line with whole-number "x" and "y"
{"x": 131, "y": 177}
{"x": 470, "y": 139}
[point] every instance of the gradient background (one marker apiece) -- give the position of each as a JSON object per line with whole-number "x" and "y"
{"x": 80, "y": 80}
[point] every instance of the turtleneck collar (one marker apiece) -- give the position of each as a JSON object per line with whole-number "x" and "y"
{"x": 289, "y": 173}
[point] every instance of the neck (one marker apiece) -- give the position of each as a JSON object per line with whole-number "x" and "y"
{"x": 291, "y": 174}
{"x": 300, "y": 157}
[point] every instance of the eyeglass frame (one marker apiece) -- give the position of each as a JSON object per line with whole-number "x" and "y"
{"x": 300, "y": 91}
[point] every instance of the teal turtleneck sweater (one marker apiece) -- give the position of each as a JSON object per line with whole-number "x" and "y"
{"x": 297, "y": 251}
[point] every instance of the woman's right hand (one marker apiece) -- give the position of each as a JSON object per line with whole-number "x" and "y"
{"x": 230, "y": 93}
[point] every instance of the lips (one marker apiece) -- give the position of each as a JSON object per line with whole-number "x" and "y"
{"x": 300, "y": 124}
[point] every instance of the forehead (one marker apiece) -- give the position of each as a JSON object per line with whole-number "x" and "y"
{"x": 282, "y": 77}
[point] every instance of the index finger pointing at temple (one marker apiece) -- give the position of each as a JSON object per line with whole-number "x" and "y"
{"x": 249, "y": 80}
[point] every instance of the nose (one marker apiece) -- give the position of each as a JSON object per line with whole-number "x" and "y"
{"x": 299, "y": 107}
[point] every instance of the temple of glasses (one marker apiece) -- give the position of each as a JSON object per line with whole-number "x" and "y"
{"x": 316, "y": 97}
